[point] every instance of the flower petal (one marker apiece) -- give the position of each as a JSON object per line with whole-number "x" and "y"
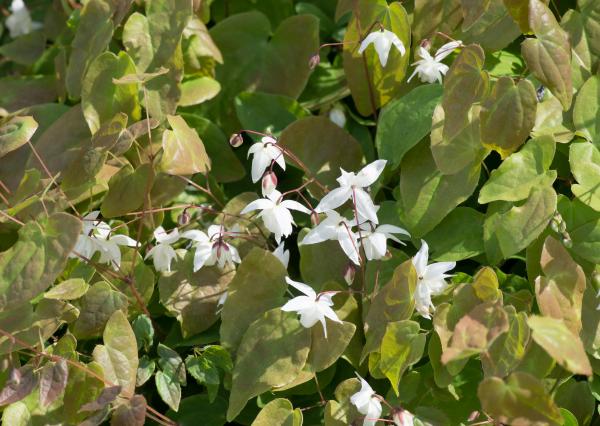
{"x": 303, "y": 288}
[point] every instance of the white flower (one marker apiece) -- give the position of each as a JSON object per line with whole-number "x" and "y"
{"x": 337, "y": 116}
{"x": 375, "y": 242}
{"x": 265, "y": 152}
{"x": 19, "y": 22}
{"x": 162, "y": 253}
{"x": 337, "y": 228}
{"x": 276, "y": 213}
{"x": 383, "y": 41}
{"x": 212, "y": 249}
{"x": 430, "y": 280}
{"x": 430, "y": 68}
{"x": 96, "y": 236}
{"x": 282, "y": 254}
{"x": 367, "y": 403}
{"x": 351, "y": 187}
{"x": 311, "y": 308}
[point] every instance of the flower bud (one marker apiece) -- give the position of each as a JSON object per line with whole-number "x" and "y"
{"x": 426, "y": 44}
{"x": 236, "y": 140}
{"x": 562, "y": 227}
{"x": 183, "y": 218}
{"x": 567, "y": 242}
{"x": 349, "y": 273}
{"x": 554, "y": 225}
{"x": 314, "y": 61}
{"x": 314, "y": 218}
{"x": 403, "y": 417}
{"x": 269, "y": 183}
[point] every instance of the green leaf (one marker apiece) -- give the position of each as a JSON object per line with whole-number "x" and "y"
{"x": 145, "y": 370}
{"x": 364, "y": 72}
{"x": 509, "y": 229}
{"x": 559, "y": 293}
{"x": 427, "y": 195}
{"x": 508, "y": 103}
{"x": 494, "y": 29}
{"x": 278, "y": 412}
{"x": 586, "y": 110}
{"x": 68, "y": 290}
{"x": 507, "y": 351}
{"x": 82, "y": 388}
{"x": 314, "y": 271}
{"x": 169, "y": 389}
{"x": 583, "y": 226}
{"x": 560, "y": 343}
{"x": 577, "y": 399}
{"x": 548, "y": 55}
{"x": 405, "y": 121}
{"x": 272, "y": 353}
{"x": 584, "y": 159}
{"x": 198, "y": 90}
{"x": 519, "y": 10}
{"x": 118, "y": 356}
{"x": 476, "y": 331}
{"x": 402, "y": 346}
{"x": 192, "y": 297}
{"x": 520, "y": 398}
{"x": 144, "y": 332}
{"x": 465, "y": 84}
{"x": 15, "y": 133}
{"x": 323, "y": 147}
{"x": 171, "y": 364}
{"x": 225, "y": 166}
{"x": 325, "y": 351}
{"x": 33, "y": 263}
{"x": 394, "y": 302}
{"x": 183, "y": 150}
{"x": 97, "y": 306}
{"x": 278, "y": 65}
{"x": 521, "y": 172}
{"x": 265, "y": 112}
{"x": 101, "y": 99}
{"x": 458, "y": 236}
{"x": 258, "y": 285}
{"x": 341, "y": 412}
{"x": 126, "y": 190}
{"x": 198, "y": 406}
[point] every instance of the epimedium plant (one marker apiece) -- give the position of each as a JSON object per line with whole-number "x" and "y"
{"x": 338, "y": 212}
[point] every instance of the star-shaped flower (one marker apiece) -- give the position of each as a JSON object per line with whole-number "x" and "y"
{"x": 383, "y": 40}
{"x": 337, "y": 228}
{"x": 367, "y": 403}
{"x": 264, "y": 153}
{"x": 430, "y": 68}
{"x": 162, "y": 253}
{"x": 430, "y": 280}
{"x": 211, "y": 248}
{"x": 352, "y": 187}
{"x": 375, "y": 241}
{"x": 311, "y": 307}
{"x": 275, "y": 213}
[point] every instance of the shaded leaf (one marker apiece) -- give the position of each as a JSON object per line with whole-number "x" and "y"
{"x": 97, "y": 306}
{"x": 132, "y": 413}
{"x": 53, "y": 380}
{"x": 126, "y": 190}
{"x": 107, "y": 396}
{"x": 20, "y": 383}
{"x": 272, "y": 353}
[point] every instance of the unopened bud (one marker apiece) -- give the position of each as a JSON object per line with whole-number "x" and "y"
{"x": 314, "y": 61}
{"x": 314, "y": 218}
{"x": 236, "y": 140}
{"x": 349, "y": 273}
{"x": 426, "y": 44}
{"x": 562, "y": 226}
{"x": 269, "y": 183}
{"x": 554, "y": 225}
{"x": 403, "y": 418}
{"x": 184, "y": 218}
{"x": 567, "y": 242}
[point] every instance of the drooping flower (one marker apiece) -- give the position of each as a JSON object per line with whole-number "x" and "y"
{"x": 337, "y": 228}
{"x": 430, "y": 68}
{"x": 383, "y": 40}
{"x": 275, "y": 213}
{"x": 430, "y": 280}
{"x": 211, "y": 248}
{"x": 367, "y": 403}
{"x": 264, "y": 153}
{"x": 352, "y": 187}
{"x": 19, "y": 22}
{"x": 311, "y": 307}
{"x": 282, "y": 254}
{"x": 162, "y": 253}
{"x": 375, "y": 241}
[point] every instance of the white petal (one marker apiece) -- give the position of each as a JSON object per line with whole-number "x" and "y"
{"x": 322, "y": 232}
{"x": 368, "y": 40}
{"x": 391, "y": 229}
{"x": 297, "y": 304}
{"x": 438, "y": 269}
{"x": 349, "y": 243}
{"x": 396, "y": 42}
{"x": 370, "y": 173}
{"x": 304, "y": 288}
{"x": 383, "y": 46}
{"x": 421, "y": 258}
{"x": 294, "y": 205}
{"x": 260, "y": 204}
{"x": 201, "y": 255}
{"x": 447, "y": 49}
{"x": 373, "y": 413}
{"x": 365, "y": 206}
{"x": 195, "y": 235}
{"x": 260, "y": 162}
{"x": 328, "y": 312}
{"x": 334, "y": 198}
{"x": 282, "y": 254}
{"x": 123, "y": 240}
{"x": 375, "y": 246}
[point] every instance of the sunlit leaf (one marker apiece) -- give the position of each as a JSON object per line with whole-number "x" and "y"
{"x": 15, "y": 133}
{"x": 183, "y": 150}
{"x": 584, "y": 159}
{"x": 278, "y": 412}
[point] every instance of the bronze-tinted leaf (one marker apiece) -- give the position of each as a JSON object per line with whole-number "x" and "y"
{"x": 183, "y": 150}
{"x": 19, "y": 384}
{"x": 53, "y": 381}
